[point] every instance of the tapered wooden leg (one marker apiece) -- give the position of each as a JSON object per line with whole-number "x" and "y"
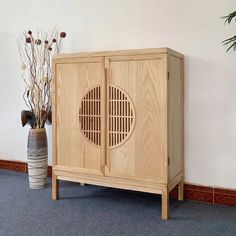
{"x": 181, "y": 190}
{"x": 55, "y": 187}
{"x": 165, "y": 204}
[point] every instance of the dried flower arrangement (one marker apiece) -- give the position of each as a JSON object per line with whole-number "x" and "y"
{"x": 36, "y": 54}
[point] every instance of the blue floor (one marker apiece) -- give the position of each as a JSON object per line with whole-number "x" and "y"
{"x": 92, "y": 210}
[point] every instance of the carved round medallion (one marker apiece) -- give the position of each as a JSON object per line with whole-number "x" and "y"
{"x": 121, "y": 116}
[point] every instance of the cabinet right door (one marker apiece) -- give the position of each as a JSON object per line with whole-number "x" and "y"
{"x": 137, "y": 117}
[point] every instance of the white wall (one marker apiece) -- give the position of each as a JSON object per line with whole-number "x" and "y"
{"x": 192, "y": 27}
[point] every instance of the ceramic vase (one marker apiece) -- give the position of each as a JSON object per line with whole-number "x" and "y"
{"x": 37, "y": 155}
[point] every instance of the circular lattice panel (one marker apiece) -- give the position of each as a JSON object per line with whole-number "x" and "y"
{"x": 90, "y": 115}
{"x": 121, "y": 116}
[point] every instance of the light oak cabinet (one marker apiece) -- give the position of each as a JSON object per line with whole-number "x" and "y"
{"x": 118, "y": 120}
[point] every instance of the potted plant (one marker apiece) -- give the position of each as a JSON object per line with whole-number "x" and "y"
{"x": 230, "y": 42}
{"x": 36, "y": 53}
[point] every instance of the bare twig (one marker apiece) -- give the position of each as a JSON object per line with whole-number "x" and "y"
{"x": 36, "y": 54}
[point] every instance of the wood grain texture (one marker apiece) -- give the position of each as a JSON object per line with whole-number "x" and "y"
{"x": 54, "y": 114}
{"x": 107, "y": 181}
{"x": 121, "y": 116}
{"x": 144, "y": 154}
{"x": 146, "y": 51}
{"x": 177, "y": 179}
{"x": 141, "y": 116}
{"x": 165, "y": 204}
{"x": 72, "y": 82}
{"x": 90, "y": 115}
{"x": 55, "y": 187}
{"x": 181, "y": 189}
{"x": 221, "y": 196}
{"x": 175, "y": 116}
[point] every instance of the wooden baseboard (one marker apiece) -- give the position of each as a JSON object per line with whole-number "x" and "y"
{"x": 13, "y": 165}
{"x": 19, "y": 166}
{"x": 205, "y": 194}
{"x": 191, "y": 192}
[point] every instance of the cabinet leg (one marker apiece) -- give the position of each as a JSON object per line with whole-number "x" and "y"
{"x": 181, "y": 190}
{"x": 55, "y": 187}
{"x": 165, "y": 204}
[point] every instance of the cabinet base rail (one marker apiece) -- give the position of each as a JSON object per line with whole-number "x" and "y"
{"x": 136, "y": 185}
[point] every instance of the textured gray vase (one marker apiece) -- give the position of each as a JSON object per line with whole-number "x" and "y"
{"x": 37, "y": 154}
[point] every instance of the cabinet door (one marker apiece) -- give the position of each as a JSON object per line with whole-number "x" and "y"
{"x": 137, "y": 117}
{"x": 79, "y": 136}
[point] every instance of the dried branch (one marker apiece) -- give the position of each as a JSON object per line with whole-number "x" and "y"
{"x": 36, "y": 54}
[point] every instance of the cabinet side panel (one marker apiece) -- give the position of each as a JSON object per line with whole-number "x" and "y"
{"x": 54, "y": 154}
{"x": 143, "y": 155}
{"x": 175, "y": 116}
{"x": 73, "y": 82}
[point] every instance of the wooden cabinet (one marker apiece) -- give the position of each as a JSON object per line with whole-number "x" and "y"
{"x": 118, "y": 120}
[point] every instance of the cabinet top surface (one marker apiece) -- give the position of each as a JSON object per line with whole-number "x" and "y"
{"x": 120, "y": 53}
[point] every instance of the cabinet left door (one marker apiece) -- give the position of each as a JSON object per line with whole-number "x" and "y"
{"x": 78, "y": 114}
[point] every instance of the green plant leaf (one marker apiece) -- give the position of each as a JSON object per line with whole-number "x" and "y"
{"x": 229, "y": 17}
{"x": 230, "y": 41}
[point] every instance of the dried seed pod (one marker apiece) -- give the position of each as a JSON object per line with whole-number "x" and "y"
{"x": 28, "y": 40}
{"x": 38, "y": 44}
{"x": 63, "y": 34}
{"x": 38, "y": 41}
{"x": 23, "y": 66}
